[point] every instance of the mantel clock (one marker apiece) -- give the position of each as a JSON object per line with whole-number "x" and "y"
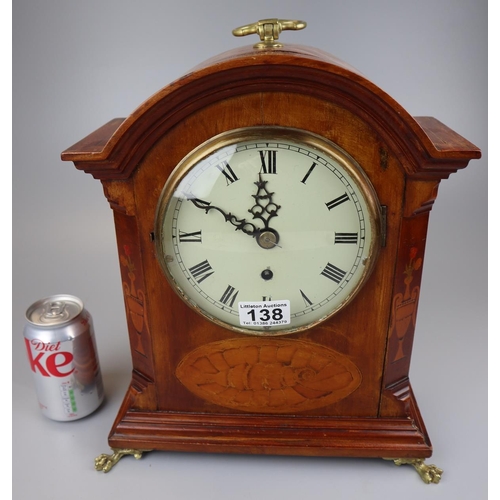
{"x": 271, "y": 212}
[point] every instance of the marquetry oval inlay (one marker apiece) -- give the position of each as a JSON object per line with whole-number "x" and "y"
{"x": 268, "y": 375}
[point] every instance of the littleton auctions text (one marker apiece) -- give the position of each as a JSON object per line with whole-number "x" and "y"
{"x": 261, "y": 304}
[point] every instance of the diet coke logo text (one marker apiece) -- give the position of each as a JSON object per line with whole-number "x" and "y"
{"x": 48, "y": 359}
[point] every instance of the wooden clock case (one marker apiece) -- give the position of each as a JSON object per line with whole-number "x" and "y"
{"x": 369, "y": 410}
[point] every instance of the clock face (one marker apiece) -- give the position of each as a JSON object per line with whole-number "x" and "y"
{"x": 267, "y": 230}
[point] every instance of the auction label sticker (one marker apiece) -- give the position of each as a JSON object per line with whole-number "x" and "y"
{"x": 265, "y": 313}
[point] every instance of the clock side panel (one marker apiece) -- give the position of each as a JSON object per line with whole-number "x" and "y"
{"x": 419, "y": 198}
{"x": 353, "y": 340}
{"x": 141, "y": 394}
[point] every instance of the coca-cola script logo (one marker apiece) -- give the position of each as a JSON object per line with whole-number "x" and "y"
{"x": 48, "y": 359}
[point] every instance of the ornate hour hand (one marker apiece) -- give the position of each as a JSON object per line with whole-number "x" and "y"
{"x": 263, "y": 209}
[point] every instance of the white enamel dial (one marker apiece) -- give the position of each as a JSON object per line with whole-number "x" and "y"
{"x": 267, "y": 214}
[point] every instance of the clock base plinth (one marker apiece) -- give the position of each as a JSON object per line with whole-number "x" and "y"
{"x": 271, "y": 435}
{"x": 403, "y": 437}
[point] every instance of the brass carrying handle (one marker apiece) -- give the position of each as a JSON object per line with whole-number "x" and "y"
{"x": 269, "y": 30}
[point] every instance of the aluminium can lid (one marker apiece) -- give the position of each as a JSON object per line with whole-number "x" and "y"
{"x": 55, "y": 310}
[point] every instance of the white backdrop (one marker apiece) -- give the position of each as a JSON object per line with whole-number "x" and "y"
{"x": 76, "y": 65}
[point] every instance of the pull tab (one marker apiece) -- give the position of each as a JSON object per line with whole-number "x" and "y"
{"x": 269, "y": 30}
{"x": 54, "y": 310}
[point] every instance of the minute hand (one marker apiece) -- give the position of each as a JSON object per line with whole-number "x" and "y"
{"x": 239, "y": 224}
{"x": 264, "y": 208}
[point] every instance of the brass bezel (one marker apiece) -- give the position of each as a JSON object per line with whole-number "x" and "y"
{"x": 307, "y": 138}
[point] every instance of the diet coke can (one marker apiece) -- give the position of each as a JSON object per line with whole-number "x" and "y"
{"x": 62, "y": 354}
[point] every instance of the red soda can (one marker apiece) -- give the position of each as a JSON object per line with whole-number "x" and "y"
{"x": 62, "y": 354}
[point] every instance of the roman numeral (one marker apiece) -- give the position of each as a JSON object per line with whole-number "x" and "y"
{"x": 307, "y": 301}
{"x": 266, "y": 298}
{"x": 337, "y": 201}
{"x": 229, "y": 296}
{"x": 194, "y": 237}
{"x": 201, "y": 271}
{"x": 268, "y": 161}
{"x": 346, "y": 238}
{"x": 333, "y": 273}
{"x": 311, "y": 168}
{"x": 228, "y": 172}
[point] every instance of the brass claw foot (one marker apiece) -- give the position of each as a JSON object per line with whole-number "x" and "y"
{"x": 428, "y": 473}
{"x": 106, "y": 462}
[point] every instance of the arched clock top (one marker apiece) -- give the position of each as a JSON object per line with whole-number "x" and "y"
{"x": 427, "y": 148}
